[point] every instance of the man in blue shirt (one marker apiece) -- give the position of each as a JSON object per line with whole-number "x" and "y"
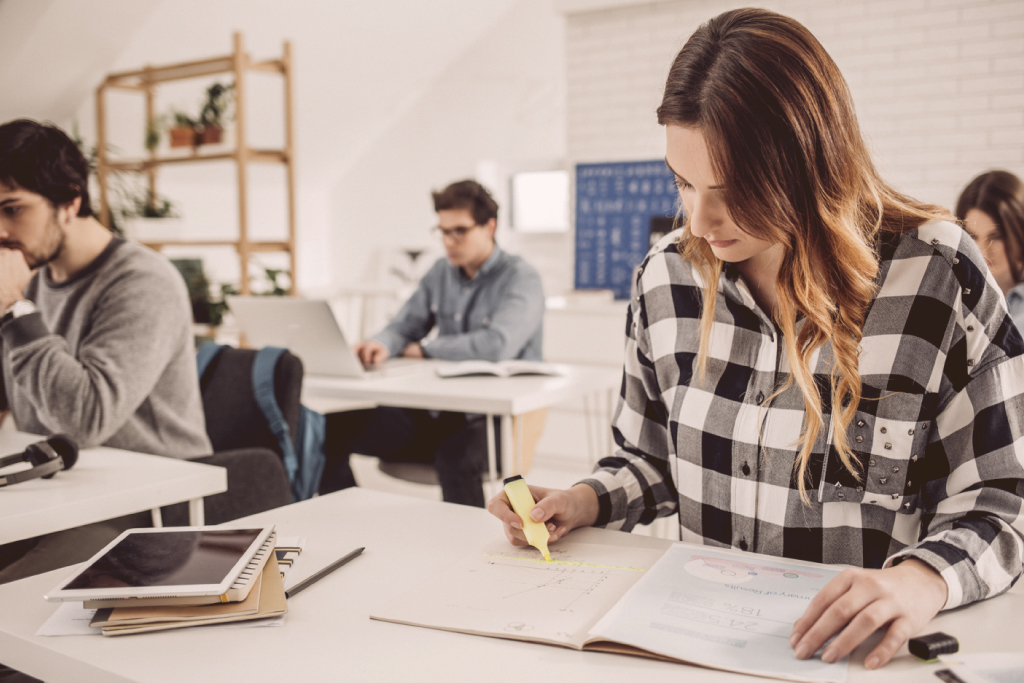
{"x": 487, "y": 305}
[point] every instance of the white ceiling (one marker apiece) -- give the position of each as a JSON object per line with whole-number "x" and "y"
{"x": 53, "y": 53}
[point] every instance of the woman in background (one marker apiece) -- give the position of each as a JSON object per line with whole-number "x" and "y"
{"x": 816, "y": 366}
{"x": 992, "y": 209}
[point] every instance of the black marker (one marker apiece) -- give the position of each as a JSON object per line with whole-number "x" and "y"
{"x": 309, "y": 581}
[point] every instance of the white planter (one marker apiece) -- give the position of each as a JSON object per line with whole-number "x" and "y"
{"x": 154, "y": 229}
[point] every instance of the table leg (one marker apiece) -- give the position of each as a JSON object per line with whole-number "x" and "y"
{"x": 492, "y": 457}
{"x": 517, "y": 462}
{"x": 158, "y": 520}
{"x": 196, "y": 512}
{"x": 588, "y": 419}
{"x": 508, "y": 463}
{"x": 609, "y": 414}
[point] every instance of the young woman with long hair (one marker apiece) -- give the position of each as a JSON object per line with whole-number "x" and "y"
{"x": 991, "y": 208}
{"x": 816, "y": 366}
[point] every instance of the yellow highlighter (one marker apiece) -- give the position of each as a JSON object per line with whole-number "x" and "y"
{"x": 522, "y": 502}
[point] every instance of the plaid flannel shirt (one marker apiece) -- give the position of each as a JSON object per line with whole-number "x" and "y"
{"x": 939, "y": 432}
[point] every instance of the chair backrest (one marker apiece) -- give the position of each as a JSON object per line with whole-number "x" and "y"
{"x": 233, "y": 418}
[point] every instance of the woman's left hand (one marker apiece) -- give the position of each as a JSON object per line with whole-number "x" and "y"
{"x": 858, "y": 602}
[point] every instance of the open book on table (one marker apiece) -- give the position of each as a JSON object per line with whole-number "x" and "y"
{"x": 505, "y": 368}
{"x": 716, "y": 608}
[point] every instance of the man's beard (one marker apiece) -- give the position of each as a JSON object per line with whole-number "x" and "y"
{"x": 54, "y": 239}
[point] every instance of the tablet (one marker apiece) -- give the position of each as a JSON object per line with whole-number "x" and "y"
{"x": 176, "y": 562}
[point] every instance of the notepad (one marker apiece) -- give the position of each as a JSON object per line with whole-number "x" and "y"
{"x": 505, "y": 368}
{"x": 721, "y": 609}
{"x": 267, "y": 601}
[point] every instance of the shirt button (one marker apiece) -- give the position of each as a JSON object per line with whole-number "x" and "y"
{"x": 745, "y": 469}
{"x": 860, "y": 423}
{"x": 760, "y": 398}
{"x": 743, "y": 544}
{"x": 884, "y": 430}
{"x": 859, "y": 439}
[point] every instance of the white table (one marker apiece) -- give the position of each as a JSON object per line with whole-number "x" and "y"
{"x": 103, "y": 484}
{"x": 493, "y": 396}
{"x": 328, "y": 635}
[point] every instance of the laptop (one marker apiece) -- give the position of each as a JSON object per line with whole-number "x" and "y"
{"x": 307, "y": 328}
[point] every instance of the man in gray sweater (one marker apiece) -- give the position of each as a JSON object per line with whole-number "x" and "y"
{"x": 95, "y": 334}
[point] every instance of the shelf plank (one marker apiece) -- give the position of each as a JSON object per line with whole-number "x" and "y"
{"x": 253, "y": 246}
{"x": 275, "y": 66}
{"x": 254, "y": 155}
{"x": 172, "y": 72}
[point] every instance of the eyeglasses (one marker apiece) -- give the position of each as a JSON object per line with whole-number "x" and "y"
{"x": 458, "y": 233}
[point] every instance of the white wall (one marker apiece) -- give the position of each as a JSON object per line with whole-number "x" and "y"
{"x": 938, "y": 84}
{"x": 501, "y": 102}
{"x": 358, "y": 67}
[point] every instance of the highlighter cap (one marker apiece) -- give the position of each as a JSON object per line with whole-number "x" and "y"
{"x": 932, "y": 645}
{"x": 509, "y": 480}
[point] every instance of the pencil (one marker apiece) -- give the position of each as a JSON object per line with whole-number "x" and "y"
{"x": 310, "y": 580}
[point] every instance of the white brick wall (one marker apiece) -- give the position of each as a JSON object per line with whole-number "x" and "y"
{"x": 938, "y": 84}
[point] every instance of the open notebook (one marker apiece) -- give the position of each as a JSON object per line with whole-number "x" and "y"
{"x": 721, "y": 609}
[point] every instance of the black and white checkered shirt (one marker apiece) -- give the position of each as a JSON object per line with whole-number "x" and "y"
{"x": 939, "y": 432}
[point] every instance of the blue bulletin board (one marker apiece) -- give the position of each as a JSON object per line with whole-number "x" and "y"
{"x": 616, "y": 206}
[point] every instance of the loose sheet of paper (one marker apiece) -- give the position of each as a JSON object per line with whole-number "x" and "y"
{"x": 985, "y": 667}
{"x": 724, "y": 611}
{"x": 512, "y": 592}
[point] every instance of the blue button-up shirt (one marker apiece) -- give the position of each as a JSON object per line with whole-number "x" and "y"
{"x": 496, "y": 315}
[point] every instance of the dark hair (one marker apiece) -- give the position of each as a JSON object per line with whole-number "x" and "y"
{"x": 1000, "y": 195}
{"x": 469, "y": 195}
{"x": 41, "y": 158}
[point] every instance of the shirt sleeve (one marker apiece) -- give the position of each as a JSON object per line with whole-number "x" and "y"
{"x": 972, "y": 520}
{"x": 634, "y": 486}
{"x": 412, "y": 322}
{"x": 517, "y": 317}
{"x": 134, "y": 333}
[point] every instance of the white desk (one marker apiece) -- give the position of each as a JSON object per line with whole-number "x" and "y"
{"x": 328, "y": 635}
{"x": 492, "y": 396}
{"x": 103, "y": 484}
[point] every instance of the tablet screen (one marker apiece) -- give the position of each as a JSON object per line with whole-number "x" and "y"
{"x": 168, "y": 558}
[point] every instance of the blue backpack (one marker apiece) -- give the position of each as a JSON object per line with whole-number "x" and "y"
{"x": 304, "y": 458}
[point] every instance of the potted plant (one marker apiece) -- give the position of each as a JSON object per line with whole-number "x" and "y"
{"x": 149, "y": 218}
{"x": 215, "y": 113}
{"x": 183, "y": 130}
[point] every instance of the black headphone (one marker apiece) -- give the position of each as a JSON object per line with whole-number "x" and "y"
{"x": 47, "y": 458}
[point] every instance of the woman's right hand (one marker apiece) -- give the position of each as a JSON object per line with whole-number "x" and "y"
{"x": 561, "y": 509}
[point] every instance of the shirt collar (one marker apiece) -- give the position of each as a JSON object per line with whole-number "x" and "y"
{"x": 1016, "y": 296}
{"x": 493, "y": 261}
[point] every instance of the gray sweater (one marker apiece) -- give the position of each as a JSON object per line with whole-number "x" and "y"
{"x": 109, "y": 358}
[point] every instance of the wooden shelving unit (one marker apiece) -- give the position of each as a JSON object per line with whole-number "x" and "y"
{"x": 238, "y": 64}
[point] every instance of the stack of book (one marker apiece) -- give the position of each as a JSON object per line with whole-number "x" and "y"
{"x": 265, "y": 599}
{"x": 159, "y": 579}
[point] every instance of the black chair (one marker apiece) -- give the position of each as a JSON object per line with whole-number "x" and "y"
{"x": 241, "y": 439}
